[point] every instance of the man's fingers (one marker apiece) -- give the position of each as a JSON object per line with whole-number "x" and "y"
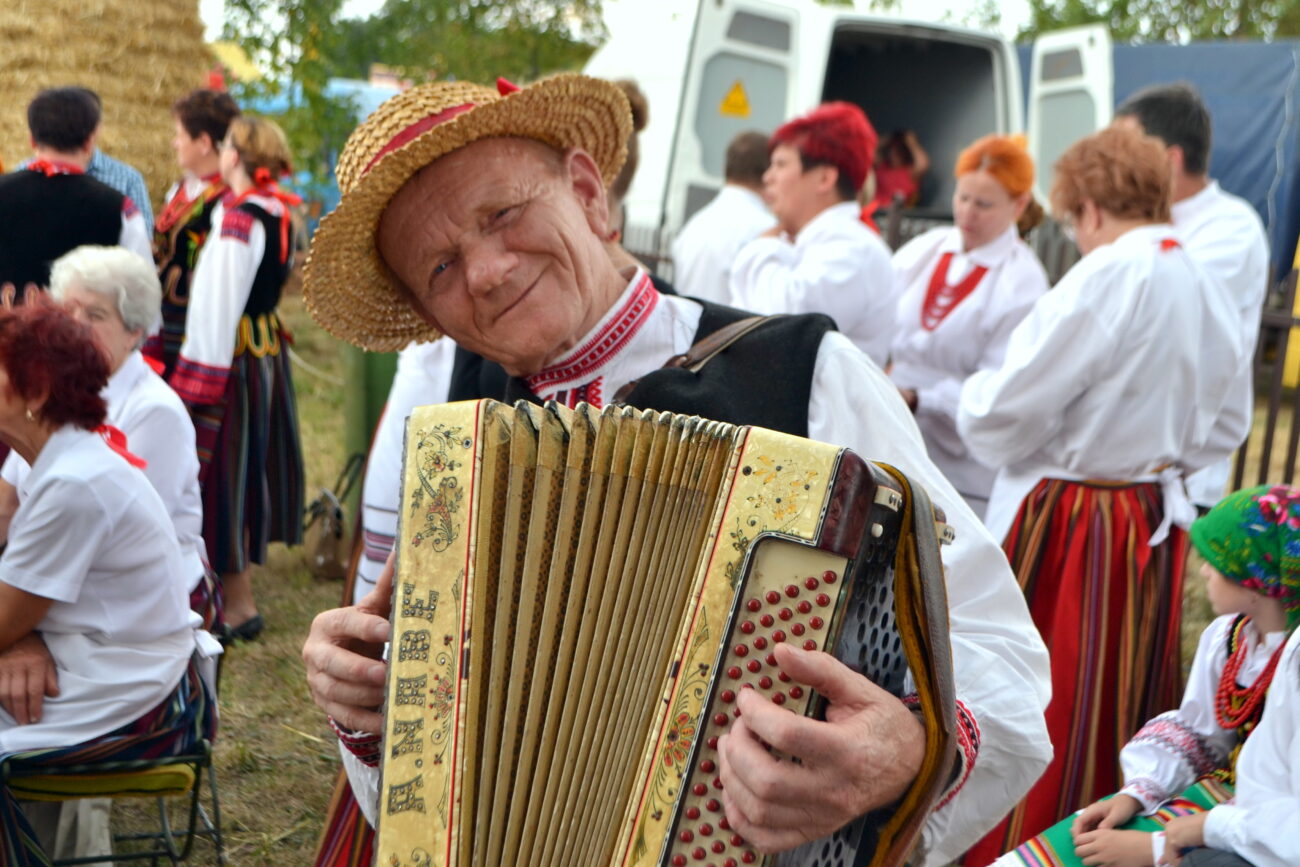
{"x": 380, "y": 600}
{"x": 355, "y": 718}
{"x": 837, "y": 683}
{"x": 51, "y": 682}
{"x": 811, "y": 740}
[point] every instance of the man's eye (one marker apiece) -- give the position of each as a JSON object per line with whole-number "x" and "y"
{"x": 440, "y": 267}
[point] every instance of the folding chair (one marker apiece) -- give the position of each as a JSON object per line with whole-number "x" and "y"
{"x": 159, "y": 778}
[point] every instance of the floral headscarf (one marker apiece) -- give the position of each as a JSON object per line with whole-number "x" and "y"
{"x": 1253, "y": 538}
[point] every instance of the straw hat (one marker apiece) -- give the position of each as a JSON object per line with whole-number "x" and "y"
{"x": 348, "y": 288}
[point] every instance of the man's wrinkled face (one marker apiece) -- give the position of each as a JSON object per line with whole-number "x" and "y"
{"x": 499, "y": 243}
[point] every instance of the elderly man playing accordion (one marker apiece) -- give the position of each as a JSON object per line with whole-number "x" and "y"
{"x": 481, "y": 216}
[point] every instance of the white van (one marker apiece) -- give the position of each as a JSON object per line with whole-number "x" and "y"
{"x": 713, "y": 68}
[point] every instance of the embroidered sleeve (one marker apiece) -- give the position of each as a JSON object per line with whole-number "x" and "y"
{"x": 198, "y": 383}
{"x": 968, "y": 747}
{"x": 366, "y": 746}
{"x": 1148, "y": 792}
{"x": 223, "y": 280}
{"x": 238, "y": 225}
{"x": 1169, "y": 733}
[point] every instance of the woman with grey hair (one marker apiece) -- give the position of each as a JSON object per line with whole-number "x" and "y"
{"x": 117, "y": 294}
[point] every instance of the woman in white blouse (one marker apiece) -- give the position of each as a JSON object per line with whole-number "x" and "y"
{"x": 1108, "y": 392}
{"x": 88, "y": 576}
{"x": 964, "y": 288}
{"x": 118, "y": 296}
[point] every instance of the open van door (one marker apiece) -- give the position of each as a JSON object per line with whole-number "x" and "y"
{"x": 1071, "y": 94}
{"x": 738, "y": 78}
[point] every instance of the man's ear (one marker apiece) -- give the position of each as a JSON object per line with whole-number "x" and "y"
{"x": 583, "y": 176}
{"x": 1177, "y": 159}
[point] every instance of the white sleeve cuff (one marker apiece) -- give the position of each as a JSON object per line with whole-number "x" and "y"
{"x": 1222, "y": 827}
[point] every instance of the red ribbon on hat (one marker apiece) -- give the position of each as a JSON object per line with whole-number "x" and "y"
{"x": 424, "y": 124}
{"x": 50, "y": 168}
{"x": 116, "y": 441}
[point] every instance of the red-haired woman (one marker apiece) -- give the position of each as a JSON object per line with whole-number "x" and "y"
{"x": 963, "y": 289}
{"x": 1107, "y": 395}
{"x": 92, "y": 585}
{"x": 233, "y": 370}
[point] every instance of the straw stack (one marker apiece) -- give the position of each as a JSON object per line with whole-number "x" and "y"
{"x": 138, "y": 55}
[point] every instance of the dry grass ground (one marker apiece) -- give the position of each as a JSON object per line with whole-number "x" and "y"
{"x": 276, "y": 757}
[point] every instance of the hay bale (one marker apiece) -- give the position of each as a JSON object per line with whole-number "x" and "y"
{"x": 138, "y": 55}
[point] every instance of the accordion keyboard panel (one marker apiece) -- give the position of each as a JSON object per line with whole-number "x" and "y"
{"x": 790, "y": 594}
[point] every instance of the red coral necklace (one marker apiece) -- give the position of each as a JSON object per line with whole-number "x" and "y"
{"x": 1235, "y": 705}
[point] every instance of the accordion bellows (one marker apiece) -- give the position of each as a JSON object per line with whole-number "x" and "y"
{"x": 580, "y": 596}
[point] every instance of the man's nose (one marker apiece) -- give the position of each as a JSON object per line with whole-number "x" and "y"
{"x": 487, "y": 265}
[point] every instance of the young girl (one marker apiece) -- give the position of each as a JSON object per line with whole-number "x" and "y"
{"x": 1181, "y": 764}
{"x": 233, "y": 370}
{"x": 1258, "y": 829}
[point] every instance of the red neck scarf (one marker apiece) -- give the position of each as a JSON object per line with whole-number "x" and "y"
{"x": 116, "y": 441}
{"x": 182, "y": 208}
{"x": 50, "y": 168}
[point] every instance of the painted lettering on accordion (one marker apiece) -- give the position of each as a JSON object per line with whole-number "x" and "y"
{"x": 425, "y": 671}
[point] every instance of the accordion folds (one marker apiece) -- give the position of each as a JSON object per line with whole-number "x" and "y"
{"x": 579, "y": 597}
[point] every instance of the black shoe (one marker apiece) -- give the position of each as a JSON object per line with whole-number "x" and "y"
{"x": 249, "y": 630}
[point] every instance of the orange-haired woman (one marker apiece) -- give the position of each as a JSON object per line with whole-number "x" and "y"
{"x": 963, "y": 288}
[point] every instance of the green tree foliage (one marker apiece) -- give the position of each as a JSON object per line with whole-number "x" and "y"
{"x": 1164, "y": 21}
{"x": 473, "y": 40}
{"x": 292, "y": 42}
{"x": 301, "y": 44}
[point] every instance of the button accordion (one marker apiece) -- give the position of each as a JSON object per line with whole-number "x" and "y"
{"x": 579, "y": 597}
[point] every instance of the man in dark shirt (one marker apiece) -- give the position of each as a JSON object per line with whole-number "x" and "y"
{"x": 50, "y": 206}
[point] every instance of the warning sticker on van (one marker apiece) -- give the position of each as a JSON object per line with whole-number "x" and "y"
{"x": 736, "y": 102}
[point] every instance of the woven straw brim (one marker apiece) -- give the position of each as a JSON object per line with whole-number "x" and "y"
{"x": 348, "y": 288}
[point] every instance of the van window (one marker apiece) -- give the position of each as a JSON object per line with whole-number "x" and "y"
{"x": 944, "y": 89}
{"x": 759, "y": 30}
{"x": 736, "y": 94}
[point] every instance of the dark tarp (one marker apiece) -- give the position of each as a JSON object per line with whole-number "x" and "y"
{"x": 1251, "y": 91}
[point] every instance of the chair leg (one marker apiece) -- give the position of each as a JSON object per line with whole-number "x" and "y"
{"x": 217, "y": 839}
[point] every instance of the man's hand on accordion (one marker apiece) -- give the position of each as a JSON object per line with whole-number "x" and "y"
{"x": 342, "y": 653}
{"x": 864, "y": 755}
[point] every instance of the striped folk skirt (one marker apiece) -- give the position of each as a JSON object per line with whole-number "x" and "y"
{"x": 347, "y": 839}
{"x": 175, "y": 727}
{"x": 1055, "y": 847}
{"x": 1108, "y": 606}
{"x": 250, "y": 454}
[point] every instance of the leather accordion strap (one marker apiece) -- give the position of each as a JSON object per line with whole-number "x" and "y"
{"x": 921, "y": 594}
{"x": 704, "y": 350}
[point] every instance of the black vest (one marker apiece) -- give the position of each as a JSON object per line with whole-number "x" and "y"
{"x": 42, "y": 218}
{"x": 271, "y": 274}
{"x": 763, "y": 379}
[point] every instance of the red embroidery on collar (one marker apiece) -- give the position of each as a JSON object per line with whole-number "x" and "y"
{"x": 605, "y": 343}
{"x": 940, "y": 298}
{"x": 1169, "y": 244}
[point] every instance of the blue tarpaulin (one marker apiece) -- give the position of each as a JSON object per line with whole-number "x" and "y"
{"x": 1250, "y": 89}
